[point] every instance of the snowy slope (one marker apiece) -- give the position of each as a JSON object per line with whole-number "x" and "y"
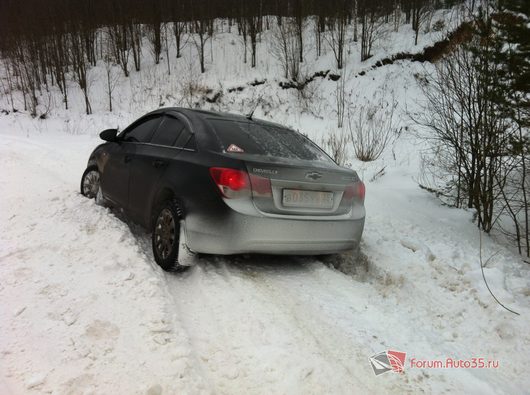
{"x": 85, "y": 310}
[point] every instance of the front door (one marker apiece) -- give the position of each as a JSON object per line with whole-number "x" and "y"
{"x": 118, "y": 159}
{"x": 115, "y": 171}
{"x": 149, "y": 163}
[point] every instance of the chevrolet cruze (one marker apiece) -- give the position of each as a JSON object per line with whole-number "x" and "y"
{"x": 220, "y": 183}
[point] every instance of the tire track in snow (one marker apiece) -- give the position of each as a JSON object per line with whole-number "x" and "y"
{"x": 236, "y": 305}
{"x": 312, "y": 303}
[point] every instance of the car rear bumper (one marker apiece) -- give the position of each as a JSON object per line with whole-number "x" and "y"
{"x": 240, "y": 233}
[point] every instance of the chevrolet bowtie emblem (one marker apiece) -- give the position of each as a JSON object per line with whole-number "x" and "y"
{"x": 313, "y": 175}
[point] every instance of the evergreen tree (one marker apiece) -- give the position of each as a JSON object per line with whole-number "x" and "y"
{"x": 512, "y": 86}
{"x": 512, "y": 24}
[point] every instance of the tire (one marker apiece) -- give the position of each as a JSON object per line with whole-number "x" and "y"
{"x": 166, "y": 236}
{"x": 90, "y": 182}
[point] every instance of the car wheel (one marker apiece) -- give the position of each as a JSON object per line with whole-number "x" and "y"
{"x": 166, "y": 237}
{"x": 90, "y": 182}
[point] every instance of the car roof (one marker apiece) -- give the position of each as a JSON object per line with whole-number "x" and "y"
{"x": 194, "y": 113}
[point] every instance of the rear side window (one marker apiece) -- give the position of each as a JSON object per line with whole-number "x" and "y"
{"x": 168, "y": 132}
{"x": 186, "y": 140}
{"x": 141, "y": 133}
{"x": 259, "y": 139}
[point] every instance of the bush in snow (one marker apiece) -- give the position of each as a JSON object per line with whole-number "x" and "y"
{"x": 372, "y": 128}
{"x": 336, "y": 145}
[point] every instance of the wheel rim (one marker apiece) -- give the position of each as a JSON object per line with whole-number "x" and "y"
{"x": 91, "y": 184}
{"x": 165, "y": 233}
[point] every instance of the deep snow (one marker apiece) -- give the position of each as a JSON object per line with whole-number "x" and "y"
{"x": 84, "y": 309}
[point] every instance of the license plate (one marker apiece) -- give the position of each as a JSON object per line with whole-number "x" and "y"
{"x": 307, "y": 199}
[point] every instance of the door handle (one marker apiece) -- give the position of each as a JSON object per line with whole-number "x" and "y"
{"x": 127, "y": 158}
{"x": 159, "y": 164}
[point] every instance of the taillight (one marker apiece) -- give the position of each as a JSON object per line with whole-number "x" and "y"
{"x": 232, "y": 183}
{"x": 361, "y": 190}
{"x": 261, "y": 186}
{"x": 357, "y": 190}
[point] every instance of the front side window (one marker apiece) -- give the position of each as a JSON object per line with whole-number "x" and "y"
{"x": 141, "y": 133}
{"x": 262, "y": 139}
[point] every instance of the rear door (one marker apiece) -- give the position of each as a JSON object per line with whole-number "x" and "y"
{"x": 151, "y": 161}
{"x": 303, "y": 179}
{"x": 118, "y": 159}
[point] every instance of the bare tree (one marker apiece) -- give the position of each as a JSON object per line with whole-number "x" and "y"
{"x": 470, "y": 140}
{"x": 397, "y": 15}
{"x": 112, "y": 78}
{"x": 243, "y": 32}
{"x": 178, "y": 31}
{"x": 165, "y": 39}
{"x": 154, "y": 31}
{"x": 341, "y": 99}
{"x": 8, "y": 87}
{"x": 355, "y": 6}
{"x": 201, "y": 36}
{"x": 421, "y": 14}
{"x": 80, "y": 67}
{"x": 299, "y": 26}
{"x": 285, "y": 47}
{"x": 135, "y": 41}
{"x": 253, "y": 23}
{"x": 318, "y": 28}
{"x": 58, "y": 57}
{"x": 120, "y": 43}
{"x": 23, "y": 67}
{"x": 336, "y": 37}
{"x": 371, "y": 27}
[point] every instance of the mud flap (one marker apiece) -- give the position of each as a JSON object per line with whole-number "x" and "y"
{"x": 100, "y": 200}
{"x": 186, "y": 257}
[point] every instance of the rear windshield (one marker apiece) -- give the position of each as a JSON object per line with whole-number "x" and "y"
{"x": 259, "y": 139}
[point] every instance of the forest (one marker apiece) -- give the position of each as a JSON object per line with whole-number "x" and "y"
{"x": 65, "y": 38}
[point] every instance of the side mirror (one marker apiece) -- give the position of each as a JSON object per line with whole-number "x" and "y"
{"x": 109, "y": 135}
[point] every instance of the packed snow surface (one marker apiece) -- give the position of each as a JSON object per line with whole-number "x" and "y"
{"x": 85, "y": 310}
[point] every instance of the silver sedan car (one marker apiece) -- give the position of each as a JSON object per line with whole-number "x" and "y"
{"x": 220, "y": 183}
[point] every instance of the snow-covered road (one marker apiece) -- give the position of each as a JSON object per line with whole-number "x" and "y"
{"x": 85, "y": 310}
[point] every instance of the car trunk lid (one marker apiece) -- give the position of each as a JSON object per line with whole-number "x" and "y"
{"x": 300, "y": 187}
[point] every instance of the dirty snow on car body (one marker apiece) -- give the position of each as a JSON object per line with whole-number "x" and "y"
{"x": 85, "y": 310}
